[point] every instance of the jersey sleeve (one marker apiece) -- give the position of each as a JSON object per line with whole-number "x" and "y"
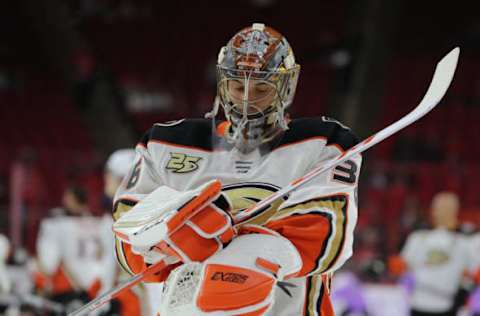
{"x": 48, "y": 247}
{"x": 471, "y": 246}
{"x": 141, "y": 180}
{"x": 319, "y": 218}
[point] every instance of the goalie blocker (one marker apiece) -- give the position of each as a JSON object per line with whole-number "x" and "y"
{"x": 178, "y": 226}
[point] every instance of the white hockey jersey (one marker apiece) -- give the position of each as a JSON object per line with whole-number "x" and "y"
{"x": 318, "y": 219}
{"x": 438, "y": 259}
{"x": 80, "y": 249}
{"x": 475, "y": 250}
{"x": 5, "y": 284}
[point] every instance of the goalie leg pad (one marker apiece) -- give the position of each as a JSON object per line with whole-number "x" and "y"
{"x": 241, "y": 278}
{"x": 238, "y": 280}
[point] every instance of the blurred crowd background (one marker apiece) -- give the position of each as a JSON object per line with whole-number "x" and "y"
{"x": 82, "y": 78}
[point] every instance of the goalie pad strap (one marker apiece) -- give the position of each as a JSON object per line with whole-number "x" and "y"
{"x": 191, "y": 247}
{"x": 210, "y": 222}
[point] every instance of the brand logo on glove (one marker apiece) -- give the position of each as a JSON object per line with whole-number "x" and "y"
{"x": 182, "y": 163}
{"x": 229, "y": 277}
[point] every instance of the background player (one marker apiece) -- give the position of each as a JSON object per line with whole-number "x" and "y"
{"x": 438, "y": 259}
{"x": 74, "y": 252}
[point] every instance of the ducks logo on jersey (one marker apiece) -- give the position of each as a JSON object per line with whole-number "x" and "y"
{"x": 244, "y": 195}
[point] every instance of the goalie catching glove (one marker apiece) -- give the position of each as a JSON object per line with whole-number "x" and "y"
{"x": 239, "y": 280}
{"x": 181, "y": 226}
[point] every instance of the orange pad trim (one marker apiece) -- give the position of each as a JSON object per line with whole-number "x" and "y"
{"x": 230, "y": 288}
{"x": 196, "y": 204}
{"x": 209, "y": 220}
{"x": 195, "y": 247}
{"x": 267, "y": 265}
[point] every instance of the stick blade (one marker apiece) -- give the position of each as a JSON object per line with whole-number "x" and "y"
{"x": 441, "y": 79}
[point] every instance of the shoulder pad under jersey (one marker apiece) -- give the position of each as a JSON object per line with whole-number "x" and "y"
{"x": 334, "y": 132}
{"x": 195, "y": 133}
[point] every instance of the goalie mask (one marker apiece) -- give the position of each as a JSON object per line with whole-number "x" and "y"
{"x": 256, "y": 81}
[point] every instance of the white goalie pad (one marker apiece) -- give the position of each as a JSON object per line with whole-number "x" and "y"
{"x": 150, "y": 220}
{"x": 244, "y": 251}
{"x": 180, "y": 291}
{"x": 231, "y": 282}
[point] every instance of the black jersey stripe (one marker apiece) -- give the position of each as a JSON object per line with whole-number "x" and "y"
{"x": 197, "y": 133}
{"x": 319, "y": 301}
{"x": 193, "y": 133}
{"x": 318, "y": 127}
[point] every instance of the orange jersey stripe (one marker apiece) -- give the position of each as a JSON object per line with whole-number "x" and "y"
{"x": 309, "y": 233}
{"x": 314, "y": 230}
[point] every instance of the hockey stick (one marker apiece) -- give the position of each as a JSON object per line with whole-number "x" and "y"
{"x": 438, "y": 87}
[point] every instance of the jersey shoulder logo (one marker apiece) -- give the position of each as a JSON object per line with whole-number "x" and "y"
{"x": 182, "y": 163}
{"x": 332, "y": 120}
{"x": 170, "y": 123}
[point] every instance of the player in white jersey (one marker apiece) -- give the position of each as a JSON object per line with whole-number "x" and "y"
{"x": 295, "y": 243}
{"x": 438, "y": 259}
{"x": 74, "y": 251}
{"x": 5, "y": 284}
{"x": 475, "y": 248}
{"x": 474, "y": 301}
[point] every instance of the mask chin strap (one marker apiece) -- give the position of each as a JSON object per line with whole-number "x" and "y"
{"x": 282, "y": 122}
{"x": 213, "y": 113}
